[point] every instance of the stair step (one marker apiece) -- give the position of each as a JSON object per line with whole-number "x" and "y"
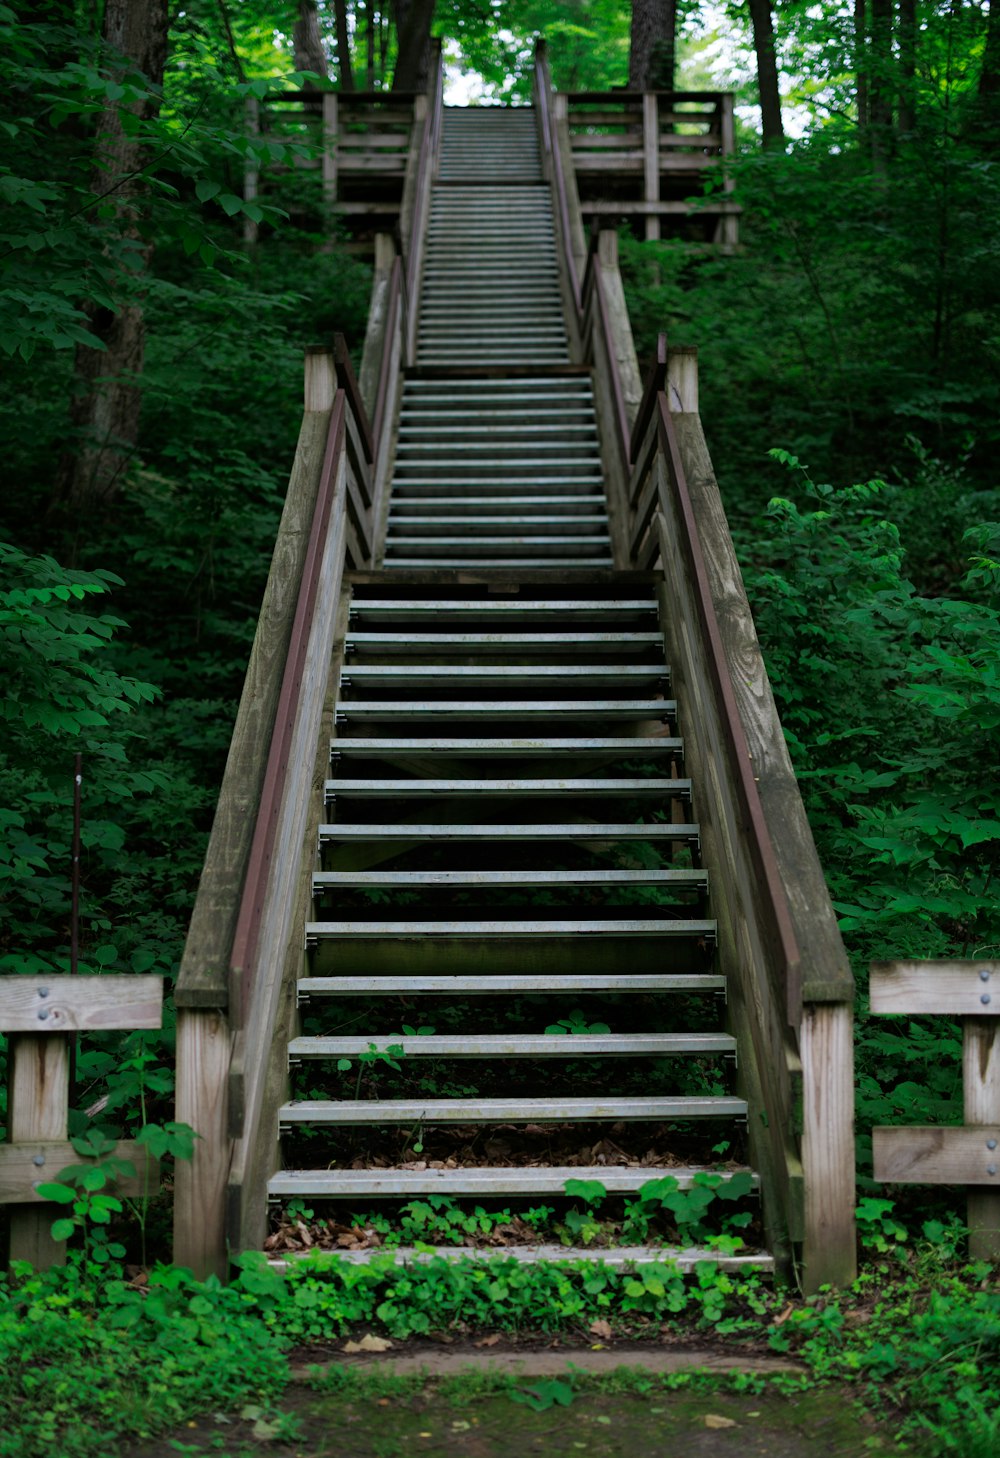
{"x": 658, "y": 830}
{"x": 685, "y": 1259}
{"x": 466, "y": 676}
{"x": 506, "y": 1111}
{"x": 510, "y": 710}
{"x": 514, "y": 929}
{"x": 519, "y": 1045}
{"x": 508, "y": 643}
{"x": 409, "y": 608}
{"x": 380, "y": 789}
{"x": 487, "y": 986}
{"x": 350, "y": 1184}
{"x": 614, "y": 748}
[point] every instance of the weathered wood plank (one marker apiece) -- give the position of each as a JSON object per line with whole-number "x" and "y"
{"x": 204, "y": 974}
{"x": 650, "y": 160}
{"x": 203, "y": 1060}
{"x": 826, "y": 1046}
{"x": 62, "y": 1004}
{"x": 953, "y": 989}
{"x": 826, "y": 973}
{"x": 38, "y": 1112}
{"x": 25, "y": 1166}
{"x": 981, "y": 1094}
{"x": 938, "y": 1155}
{"x": 279, "y": 946}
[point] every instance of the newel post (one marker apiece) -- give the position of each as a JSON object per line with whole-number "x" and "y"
{"x": 320, "y": 383}
{"x": 682, "y": 379}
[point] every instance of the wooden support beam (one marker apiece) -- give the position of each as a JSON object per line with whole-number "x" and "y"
{"x": 826, "y": 1047}
{"x": 203, "y": 1062}
{"x": 38, "y": 1114}
{"x": 981, "y": 1093}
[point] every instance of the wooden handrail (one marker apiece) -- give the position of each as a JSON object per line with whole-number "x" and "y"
{"x": 397, "y": 285}
{"x": 347, "y": 380}
{"x": 593, "y": 293}
{"x": 655, "y": 381}
{"x": 714, "y": 659}
{"x": 543, "y": 92}
{"x": 428, "y": 151}
{"x": 242, "y": 960}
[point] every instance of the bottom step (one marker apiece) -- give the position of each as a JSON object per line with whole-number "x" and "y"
{"x": 482, "y": 1181}
{"x": 685, "y": 1258}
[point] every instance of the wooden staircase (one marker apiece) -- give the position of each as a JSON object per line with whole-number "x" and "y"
{"x": 509, "y": 762}
{"x": 510, "y": 883}
{"x": 509, "y": 843}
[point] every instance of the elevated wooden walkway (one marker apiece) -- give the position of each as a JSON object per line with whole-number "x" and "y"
{"x": 507, "y": 799}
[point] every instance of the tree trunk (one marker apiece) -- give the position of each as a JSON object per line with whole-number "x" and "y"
{"x": 989, "y": 83}
{"x": 882, "y": 75}
{"x": 907, "y": 66}
{"x": 413, "y": 32}
{"x": 106, "y": 405}
{"x": 861, "y": 63}
{"x": 343, "y": 46}
{"x": 652, "y": 45}
{"x": 370, "y": 41}
{"x": 772, "y": 127}
{"x": 307, "y": 40}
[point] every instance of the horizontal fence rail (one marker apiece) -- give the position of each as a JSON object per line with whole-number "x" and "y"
{"x": 936, "y": 1154}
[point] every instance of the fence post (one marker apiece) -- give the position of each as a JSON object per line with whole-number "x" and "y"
{"x": 981, "y": 1094}
{"x": 330, "y": 126}
{"x": 39, "y": 1112}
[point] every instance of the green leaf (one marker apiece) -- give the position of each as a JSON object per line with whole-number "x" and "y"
{"x": 230, "y": 203}
{"x": 59, "y": 1194}
{"x": 63, "y": 1229}
{"x": 205, "y": 190}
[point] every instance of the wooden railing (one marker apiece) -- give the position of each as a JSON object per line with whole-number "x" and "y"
{"x": 939, "y": 1154}
{"x": 41, "y": 1015}
{"x": 642, "y": 155}
{"x": 790, "y": 986}
{"x": 417, "y": 195}
{"x": 236, "y": 991}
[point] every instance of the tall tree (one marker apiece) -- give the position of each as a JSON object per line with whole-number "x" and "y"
{"x": 343, "y": 45}
{"x": 107, "y": 398}
{"x": 907, "y": 114}
{"x": 882, "y": 78}
{"x": 413, "y": 34}
{"x": 652, "y": 45}
{"x": 989, "y": 80}
{"x": 772, "y": 125}
{"x": 307, "y": 40}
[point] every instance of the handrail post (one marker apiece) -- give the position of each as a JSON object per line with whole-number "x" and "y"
{"x": 651, "y": 159}
{"x": 330, "y": 142}
{"x": 729, "y": 223}
{"x": 320, "y": 381}
{"x": 682, "y": 379}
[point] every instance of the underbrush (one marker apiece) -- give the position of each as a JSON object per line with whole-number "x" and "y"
{"x": 93, "y": 1360}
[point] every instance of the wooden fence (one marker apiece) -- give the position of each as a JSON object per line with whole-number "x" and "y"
{"x": 945, "y": 1154}
{"x": 40, "y": 1015}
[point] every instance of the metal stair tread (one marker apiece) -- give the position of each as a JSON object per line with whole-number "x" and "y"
{"x": 662, "y": 788}
{"x": 526, "y": 1180}
{"x": 515, "y": 928}
{"x": 506, "y": 1111}
{"x": 518, "y": 1045}
{"x": 685, "y": 1259}
{"x": 405, "y": 831}
{"x": 488, "y": 984}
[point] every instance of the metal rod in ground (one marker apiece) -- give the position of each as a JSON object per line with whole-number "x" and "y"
{"x": 74, "y": 919}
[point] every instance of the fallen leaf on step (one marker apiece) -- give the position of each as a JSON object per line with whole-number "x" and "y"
{"x": 601, "y": 1328}
{"x": 713, "y": 1420}
{"x": 367, "y": 1344}
{"x": 489, "y": 1341}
